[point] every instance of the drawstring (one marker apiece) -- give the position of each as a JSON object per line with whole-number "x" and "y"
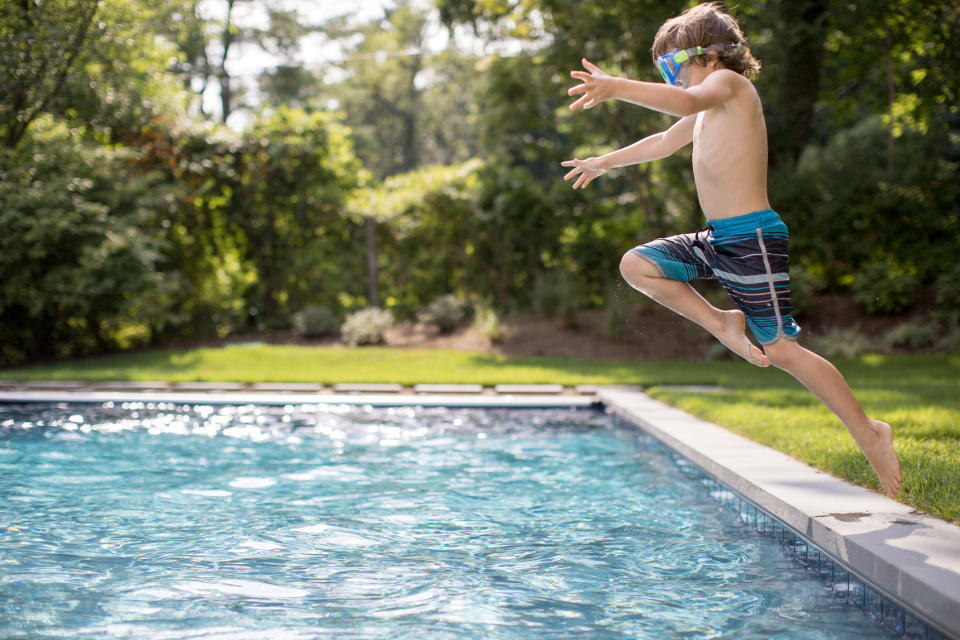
{"x": 709, "y": 228}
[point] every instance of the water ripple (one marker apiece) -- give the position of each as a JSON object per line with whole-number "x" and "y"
{"x": 176, "y": 521}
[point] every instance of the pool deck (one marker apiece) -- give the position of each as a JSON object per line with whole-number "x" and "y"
{"x": 912, "y": 558}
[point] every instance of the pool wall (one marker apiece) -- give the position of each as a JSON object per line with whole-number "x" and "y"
{"x": 902, "y": 566}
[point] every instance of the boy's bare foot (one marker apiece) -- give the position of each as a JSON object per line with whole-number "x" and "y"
{"x": 878, "y": 447}
{"x": 733, "y": 335}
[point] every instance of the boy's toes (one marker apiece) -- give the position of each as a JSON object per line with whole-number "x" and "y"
{"x": 758, "y": 358}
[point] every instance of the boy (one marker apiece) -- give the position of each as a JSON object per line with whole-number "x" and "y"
{"x": 702, "y": 57}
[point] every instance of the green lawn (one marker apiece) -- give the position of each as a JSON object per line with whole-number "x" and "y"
{"x": 918, "y": 394}
{"x": 257, "y": 362}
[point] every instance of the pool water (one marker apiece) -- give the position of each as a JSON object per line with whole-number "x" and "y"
{"x": 174, "y": 521}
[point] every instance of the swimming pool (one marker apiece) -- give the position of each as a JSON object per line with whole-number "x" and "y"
{"x": 306, "y": 521}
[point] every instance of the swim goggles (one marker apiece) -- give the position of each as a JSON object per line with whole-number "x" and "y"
{"x": 670, "y": 64}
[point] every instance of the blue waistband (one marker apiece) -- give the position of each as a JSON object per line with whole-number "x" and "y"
{"x": 746, "y": 222}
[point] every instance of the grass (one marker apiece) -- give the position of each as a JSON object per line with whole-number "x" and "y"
{"x": 257, "y": 362}
{"x": 918, "y": 394}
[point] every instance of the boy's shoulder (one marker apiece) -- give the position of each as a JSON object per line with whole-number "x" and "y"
{"x": 732, "y": 78}
{"x": 734, "y": 87}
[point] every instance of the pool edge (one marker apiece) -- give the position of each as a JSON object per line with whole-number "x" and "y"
{"x": 912, "y": 558}
{"x": 532, "y": 401}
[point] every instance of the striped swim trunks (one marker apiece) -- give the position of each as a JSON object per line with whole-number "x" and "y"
{"x": 748, "y": 255}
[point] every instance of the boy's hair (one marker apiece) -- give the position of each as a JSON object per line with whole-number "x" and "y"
{"x": 704, "y": 25}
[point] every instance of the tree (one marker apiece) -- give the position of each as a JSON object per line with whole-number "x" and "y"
{"x": 77, "y": 272}
{"x": 293, "y": 176}
{"x": 40, "y": 43}
{"x": 382, "y": 95}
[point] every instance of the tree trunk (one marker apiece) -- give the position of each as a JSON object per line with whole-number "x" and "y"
{"x": 804, "y": 29}
{"x": 372, "y": 262}
{"x": 226, "y": 96}
{"x": 410, "y": 156}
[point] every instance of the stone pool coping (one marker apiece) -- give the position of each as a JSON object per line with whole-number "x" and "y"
{"x": 912, "y": 558}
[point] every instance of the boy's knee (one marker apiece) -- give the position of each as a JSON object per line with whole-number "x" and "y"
{"x": 633, "y": 267}
{"x": 782, "y": 353}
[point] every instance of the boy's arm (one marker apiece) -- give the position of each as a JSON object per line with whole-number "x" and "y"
{"x": 659, "y": 145}
{"x": 717, "y": 88}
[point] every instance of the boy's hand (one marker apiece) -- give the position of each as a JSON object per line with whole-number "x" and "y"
{"x": 596, "y": 86}
{"x": 585, "y": 171}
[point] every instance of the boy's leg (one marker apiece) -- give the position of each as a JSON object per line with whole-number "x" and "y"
{"x": 875, "y": 438}
{"x": 729, "y": 327}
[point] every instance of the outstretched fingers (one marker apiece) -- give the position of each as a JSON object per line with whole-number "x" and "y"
{"x": 589, "y": 66}
{"x": 573, "y": 173}
{"x": 583, "y": 177}
{"x": 582, "y": 171}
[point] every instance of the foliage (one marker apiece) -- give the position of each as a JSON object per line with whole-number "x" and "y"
{"x": 487, "y": 322}
{"x": 556, "y": 295}
{"x": 884, "y": 287}
{"x": 366, "y": 326}
{"x": 842, "y": 342}
{"x": 948, "y": 287}
{"x": 617, "y": 307}
{"x": 77, "y": 275}
{"x": 804, "y": 285}
{"x": 913, "y": 334}
{"x": 316, "y": 322}
{"x": 381, "y": 95}
{"x": 949, "y": 341}
{"x": 455, "y": 154}
{"x": 37, "y": 55}
{"x": 446, "y": 313}
{"x": 286, "y": 200}
{"x": 845, "y": 209}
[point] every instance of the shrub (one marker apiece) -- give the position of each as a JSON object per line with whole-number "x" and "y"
{"x": 884, "y": 287}
{"x": 948, "y": 323}
{"x": 842, "y": 343}
{"x": 913, "y": 334}
{"x": 716, "y": 352}
{"x": 803, "y": 285}
{"x": 366, "y": 326}
{"x": 316, "y": 322}
{"x": 948, "y": 287}
{"x": 950, "y": 340}
{"x": 617, "y": 304}
{"x": 487, "y": 322}
{"x": 445, "y": 313}
{"x": 558, "y": 295}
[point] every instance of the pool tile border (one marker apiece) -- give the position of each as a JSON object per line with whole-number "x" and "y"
{"x": 381, "y": 399}
{"x": 907, "y": 565}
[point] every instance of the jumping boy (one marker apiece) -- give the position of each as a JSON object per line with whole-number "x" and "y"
{"x": 703, "y": 59}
